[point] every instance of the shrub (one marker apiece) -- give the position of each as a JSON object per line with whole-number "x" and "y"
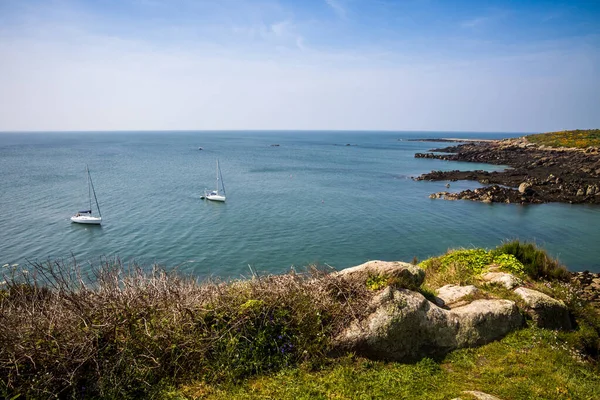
{"x": 537, "y": 263}
{"x": 376, "y": 282}
{"x": 124, "y": 333}
{"x": 461, "y": 266}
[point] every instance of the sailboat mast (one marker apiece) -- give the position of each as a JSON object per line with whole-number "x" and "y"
{"x": 89, "y": 188}
{"x": 222, "y": 183}
{"x": 217, "y": 176}
{"x": 93, "y": 191}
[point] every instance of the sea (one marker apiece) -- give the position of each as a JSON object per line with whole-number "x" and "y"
{"x": 294, "y": 199}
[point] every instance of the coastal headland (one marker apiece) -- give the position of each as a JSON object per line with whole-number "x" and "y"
{"x": 552, "y": 167}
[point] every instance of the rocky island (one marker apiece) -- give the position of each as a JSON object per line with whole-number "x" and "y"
{"x": 552, "y": 167}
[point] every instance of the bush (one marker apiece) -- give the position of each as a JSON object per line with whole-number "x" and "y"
{"x": 475, "y": 261}
{"x": 376, "y": 282}
{"x": 124, "y": 333}
{"x": 462, "y": 266}
{"x": 537, "y": 263}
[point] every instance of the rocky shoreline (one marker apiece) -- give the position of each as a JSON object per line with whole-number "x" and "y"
{"x": 538, "y": 174}
{"x": 588, "y": 286}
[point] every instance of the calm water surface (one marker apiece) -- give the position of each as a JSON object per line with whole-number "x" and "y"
{"x": 336, "y": 198}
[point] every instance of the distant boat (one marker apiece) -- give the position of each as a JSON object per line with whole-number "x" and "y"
{"x": 219, "y": 193}
{"x": 85, "y": 216}
{"x": 200, "y": 148}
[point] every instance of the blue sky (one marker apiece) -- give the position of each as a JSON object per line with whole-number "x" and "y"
{"x": 519, "y": 66}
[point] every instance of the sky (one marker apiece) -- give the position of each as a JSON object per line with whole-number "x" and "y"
{"x": 406, "y": 65}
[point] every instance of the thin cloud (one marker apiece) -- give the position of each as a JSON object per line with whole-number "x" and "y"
{"x": 551, "y": 16}
{"x": 475, "y": 22}
{"x": 281, "y": 29}
{"x": 300, "y": 43}
{"x": 337, "y": 8}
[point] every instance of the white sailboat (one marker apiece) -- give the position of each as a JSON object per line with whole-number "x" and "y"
{"x": 85, "y": 216}
{"x": 219, "y": 193}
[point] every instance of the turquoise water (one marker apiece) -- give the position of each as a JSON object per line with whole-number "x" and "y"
{"x": 313, "y": 199}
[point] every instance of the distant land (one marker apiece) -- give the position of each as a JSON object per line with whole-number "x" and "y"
{"x": 548, "y": 167}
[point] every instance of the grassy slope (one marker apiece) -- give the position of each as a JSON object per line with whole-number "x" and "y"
{"x": 139, "y": 335}
{"x": 576, "y": 138}
{"x": 528, "y": 364}
{"x": 531, "y": 363}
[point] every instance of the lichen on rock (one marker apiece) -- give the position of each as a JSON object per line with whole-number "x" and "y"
{"x": 402, "y": 274}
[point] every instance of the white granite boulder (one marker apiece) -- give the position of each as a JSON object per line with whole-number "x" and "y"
{"x": 478, "y": 395}
{"x": 403, "y": 274}
{"x": 404, "y": 326}
{"x": 454, "y": 295}
{"x": 544, "y": 310}
{"x": 507, "y": 280}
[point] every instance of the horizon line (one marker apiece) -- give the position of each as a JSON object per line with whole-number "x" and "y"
{"x": 263, "y": 130}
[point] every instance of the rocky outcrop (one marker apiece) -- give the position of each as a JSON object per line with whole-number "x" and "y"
{"x": 504, "y": 279}
{"x": 489, "y": 194}
{"x": 539, "y": 174}
{"x": 402, "y": 274}
{"x": 588, "y": 285}
{"x": 405, "y": 326}
{"x": 545, "y": 311}
{"x": 454, "y": 295}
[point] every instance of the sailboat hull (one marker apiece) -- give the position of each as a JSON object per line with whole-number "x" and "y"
{"x": 86, "y": 219}
{"x": 215, "y": 197}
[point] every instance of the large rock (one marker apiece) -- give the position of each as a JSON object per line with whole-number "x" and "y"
{"x": 544, "y": 310}
{"x": 507, "y": 280}
{"x": 525, "y": 187}
{"x": 405, "y": 326}
{"x": 480, "y": 395}
{"x": 403, "y": 274}
{"x": 453, "y": 295}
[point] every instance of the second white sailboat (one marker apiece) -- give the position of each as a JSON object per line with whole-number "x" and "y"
{"x": 219, "y": 193}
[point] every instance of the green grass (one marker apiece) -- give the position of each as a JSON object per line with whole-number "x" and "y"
{"x": 537, "y": 263}
{"x": 528, "y": 364}
{"x": 463, "y": 266}
{"x": 580, "y": 138}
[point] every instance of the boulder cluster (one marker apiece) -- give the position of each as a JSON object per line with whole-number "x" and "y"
{"x": 404, "y": 325}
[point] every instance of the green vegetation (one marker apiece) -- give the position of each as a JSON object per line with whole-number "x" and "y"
{"x": 124, "y": 333}
{"x": 520, "y": 259}
{"x": 580, "y": 138}
{"x": 528, "y": 364}
{"x": 461, "y": 267}
{"x": 537, "y": 264}
{"x": 475, "y": 260}
{"x": 585, "y": 339}
{"x": 130, "y": 334}
{"x": 376, "y": 282}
